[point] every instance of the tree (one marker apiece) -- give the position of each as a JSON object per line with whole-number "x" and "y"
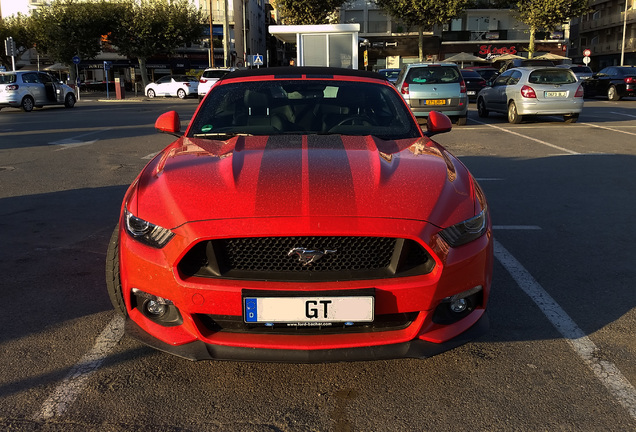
{"x": 150, "y": 27}
{"x": 547, "y": 14}
{"x": 69, "y": 27}
{"x": 294, "y": 12}
{"x": 423, "y": 14}
{"x": 20, "y": 28}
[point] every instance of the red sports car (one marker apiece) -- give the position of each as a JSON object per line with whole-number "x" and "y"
{"x": 303, "y": 216}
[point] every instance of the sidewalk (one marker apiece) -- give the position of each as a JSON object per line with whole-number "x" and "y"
{"x": 112, "y": 97}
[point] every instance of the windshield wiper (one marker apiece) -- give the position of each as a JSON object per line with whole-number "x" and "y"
{"x": 221, "y": 134}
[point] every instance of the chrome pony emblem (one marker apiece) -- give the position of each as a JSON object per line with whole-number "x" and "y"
{"x": 309, "y": 256}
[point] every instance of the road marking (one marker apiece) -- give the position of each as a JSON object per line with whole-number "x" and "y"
{"x": 73, "y": 142}
{"x": 516, "y": 227}
{"x": 606, "y": 372}
{"x": 151, "y": 155}
{"x": 529, "y": 138}
{"x": 609, "y": 128}
{"x": 77, "y": 378}
{"x": 620, "y": 113}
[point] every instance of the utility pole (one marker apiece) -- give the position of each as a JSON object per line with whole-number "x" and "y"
{"x": 226, "y": 35}
{"x": 211, "y": 57}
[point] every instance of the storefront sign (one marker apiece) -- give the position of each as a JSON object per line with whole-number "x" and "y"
{"x": 495, "y": 50}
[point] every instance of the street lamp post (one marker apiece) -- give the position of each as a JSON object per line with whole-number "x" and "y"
{"x": 211, "y": 56}
{"x": 624, "y": 31}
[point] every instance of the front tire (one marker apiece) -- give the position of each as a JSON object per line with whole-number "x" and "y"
{"x": 151, "y": 94}
{"x": 612, "y": 94}
{"x": 113, "y": 281}
{"x": 513, "y": 114}
{"x": 482, "y": 112}
{"x": 181, "y": 94}
{"x": 69, "y": 100}
{"x": 27, "y": 104}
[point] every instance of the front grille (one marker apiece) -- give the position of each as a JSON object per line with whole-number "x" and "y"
{"x": 235, "y": 324}
{"x": 278, "y": 258}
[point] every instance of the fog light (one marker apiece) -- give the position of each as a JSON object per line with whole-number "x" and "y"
{"x": 459, "y": 305}
{"x": 155, "y": 308}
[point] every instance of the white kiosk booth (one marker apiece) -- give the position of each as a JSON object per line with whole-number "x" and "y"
{"x": 334, "y": 45}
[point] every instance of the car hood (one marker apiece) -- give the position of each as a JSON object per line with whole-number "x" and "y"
{"x": 296, "y": 175}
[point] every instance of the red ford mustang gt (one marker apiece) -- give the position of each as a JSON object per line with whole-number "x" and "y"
{"x": 303, "y": 216}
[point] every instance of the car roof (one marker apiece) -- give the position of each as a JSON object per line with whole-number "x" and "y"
{"x": 433, "y": 64}
{"x": 299, "y": 71}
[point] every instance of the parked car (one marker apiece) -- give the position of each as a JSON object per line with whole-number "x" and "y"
{"x": 209, "y": 77}
{"x": 303, "y": 216}
{"x": 515, "y": 63}
{"x": 614, "y": 82}
{"x": 181, "y": 86}
{"x": 390, "y": 74}
{"x": 474, "y": 83}
{"x": 430, "y": 87}
{"x": 532, "y": 91}
{"x": 33, "y": 89}
{"x": 486, "y": 72}
{"x": 582, "y": 72}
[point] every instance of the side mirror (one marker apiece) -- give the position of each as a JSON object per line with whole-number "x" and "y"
{"x": 169, "y": 123}
{"x": 437, "y": 123}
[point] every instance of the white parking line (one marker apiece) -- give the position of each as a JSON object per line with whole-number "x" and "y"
{"x": 606, "y": 372}
{"x": 545, "y": 143}
{"x": 74, "y": 383}
{"x": 609, "y": 128}
{"x": 623, "y": 114}
{"x": 150, "y": 156}
{"x": 75, "y": 142}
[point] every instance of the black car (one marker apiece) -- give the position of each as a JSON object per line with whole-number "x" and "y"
{"x": 614, "y": 82}
{"x": 474, "y": 83}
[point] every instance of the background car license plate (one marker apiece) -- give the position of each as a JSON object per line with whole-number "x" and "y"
{"x": 308, "y": 309}
{"x": 550, "y": 94}
{"x": 436, "y": 102}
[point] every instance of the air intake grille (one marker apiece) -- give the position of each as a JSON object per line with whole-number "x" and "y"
{"x": 286, "y": 258}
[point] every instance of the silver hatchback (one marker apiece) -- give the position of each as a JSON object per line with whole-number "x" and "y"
{"x": 533, "y": 91}
{"x": 29, "y": 89}
{"x": 430, "y": 87}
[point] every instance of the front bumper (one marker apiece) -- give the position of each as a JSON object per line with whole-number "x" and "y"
{"x": 155, "y": 271}
{"x": 418, "y": 348}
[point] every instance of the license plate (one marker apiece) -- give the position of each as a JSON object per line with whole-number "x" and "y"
{"x": 551, "y": 94}
{"x": 436, "y": 102}
{"x": 308, "y": 309}
{"x": 470, "y": 93}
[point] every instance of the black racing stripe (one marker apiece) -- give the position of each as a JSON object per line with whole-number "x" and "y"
{"x": 330, "y": 179}
{"x": 279, "y": 188}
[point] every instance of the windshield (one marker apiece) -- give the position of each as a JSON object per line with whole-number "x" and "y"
{"x": 304, "y": 107}
{"x": 552, "y": 76}
{"x": 433, "y": 75}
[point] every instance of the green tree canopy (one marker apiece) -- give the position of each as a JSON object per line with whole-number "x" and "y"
{"x": 295, "y": 12}
{"x": 548, "y": 14}
{"x": 19, "y": 27}
{"x": 70, "y": 27}
{"x": 424, "y": 14}
{"x": 150, "y": 27}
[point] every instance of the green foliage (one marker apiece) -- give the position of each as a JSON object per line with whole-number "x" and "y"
{"x": 423, "y": 13}
{"x": 294, "y": 12}
{"x": 150, "y": 27}
{"x": 19, "y": 28}
{"x": 69, "y": 27}
{"x": 548, "y": 14}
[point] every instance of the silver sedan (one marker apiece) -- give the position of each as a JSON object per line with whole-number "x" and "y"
{"x": 533, "y": 91}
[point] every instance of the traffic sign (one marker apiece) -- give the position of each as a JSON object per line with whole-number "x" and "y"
{"x": 258, "y": 60}
{"x": 586, "y": 60}
{"x": 76, "y": 60}
{"x": 587, "y": 52}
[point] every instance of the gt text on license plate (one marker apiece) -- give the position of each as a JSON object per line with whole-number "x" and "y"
{"x": 551, "y": 94}
{"x": 436, "y": 102}
{"x": 308, "y": 309}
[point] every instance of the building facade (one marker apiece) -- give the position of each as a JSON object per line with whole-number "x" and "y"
{"x": 609, "y": 31}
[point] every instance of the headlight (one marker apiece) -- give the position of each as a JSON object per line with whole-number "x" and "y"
{"x": 145, "y": 232}
{"x": 467, "y": 231}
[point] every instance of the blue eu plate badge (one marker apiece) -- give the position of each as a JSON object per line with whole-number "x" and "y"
{"x": 250, "y": 310}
